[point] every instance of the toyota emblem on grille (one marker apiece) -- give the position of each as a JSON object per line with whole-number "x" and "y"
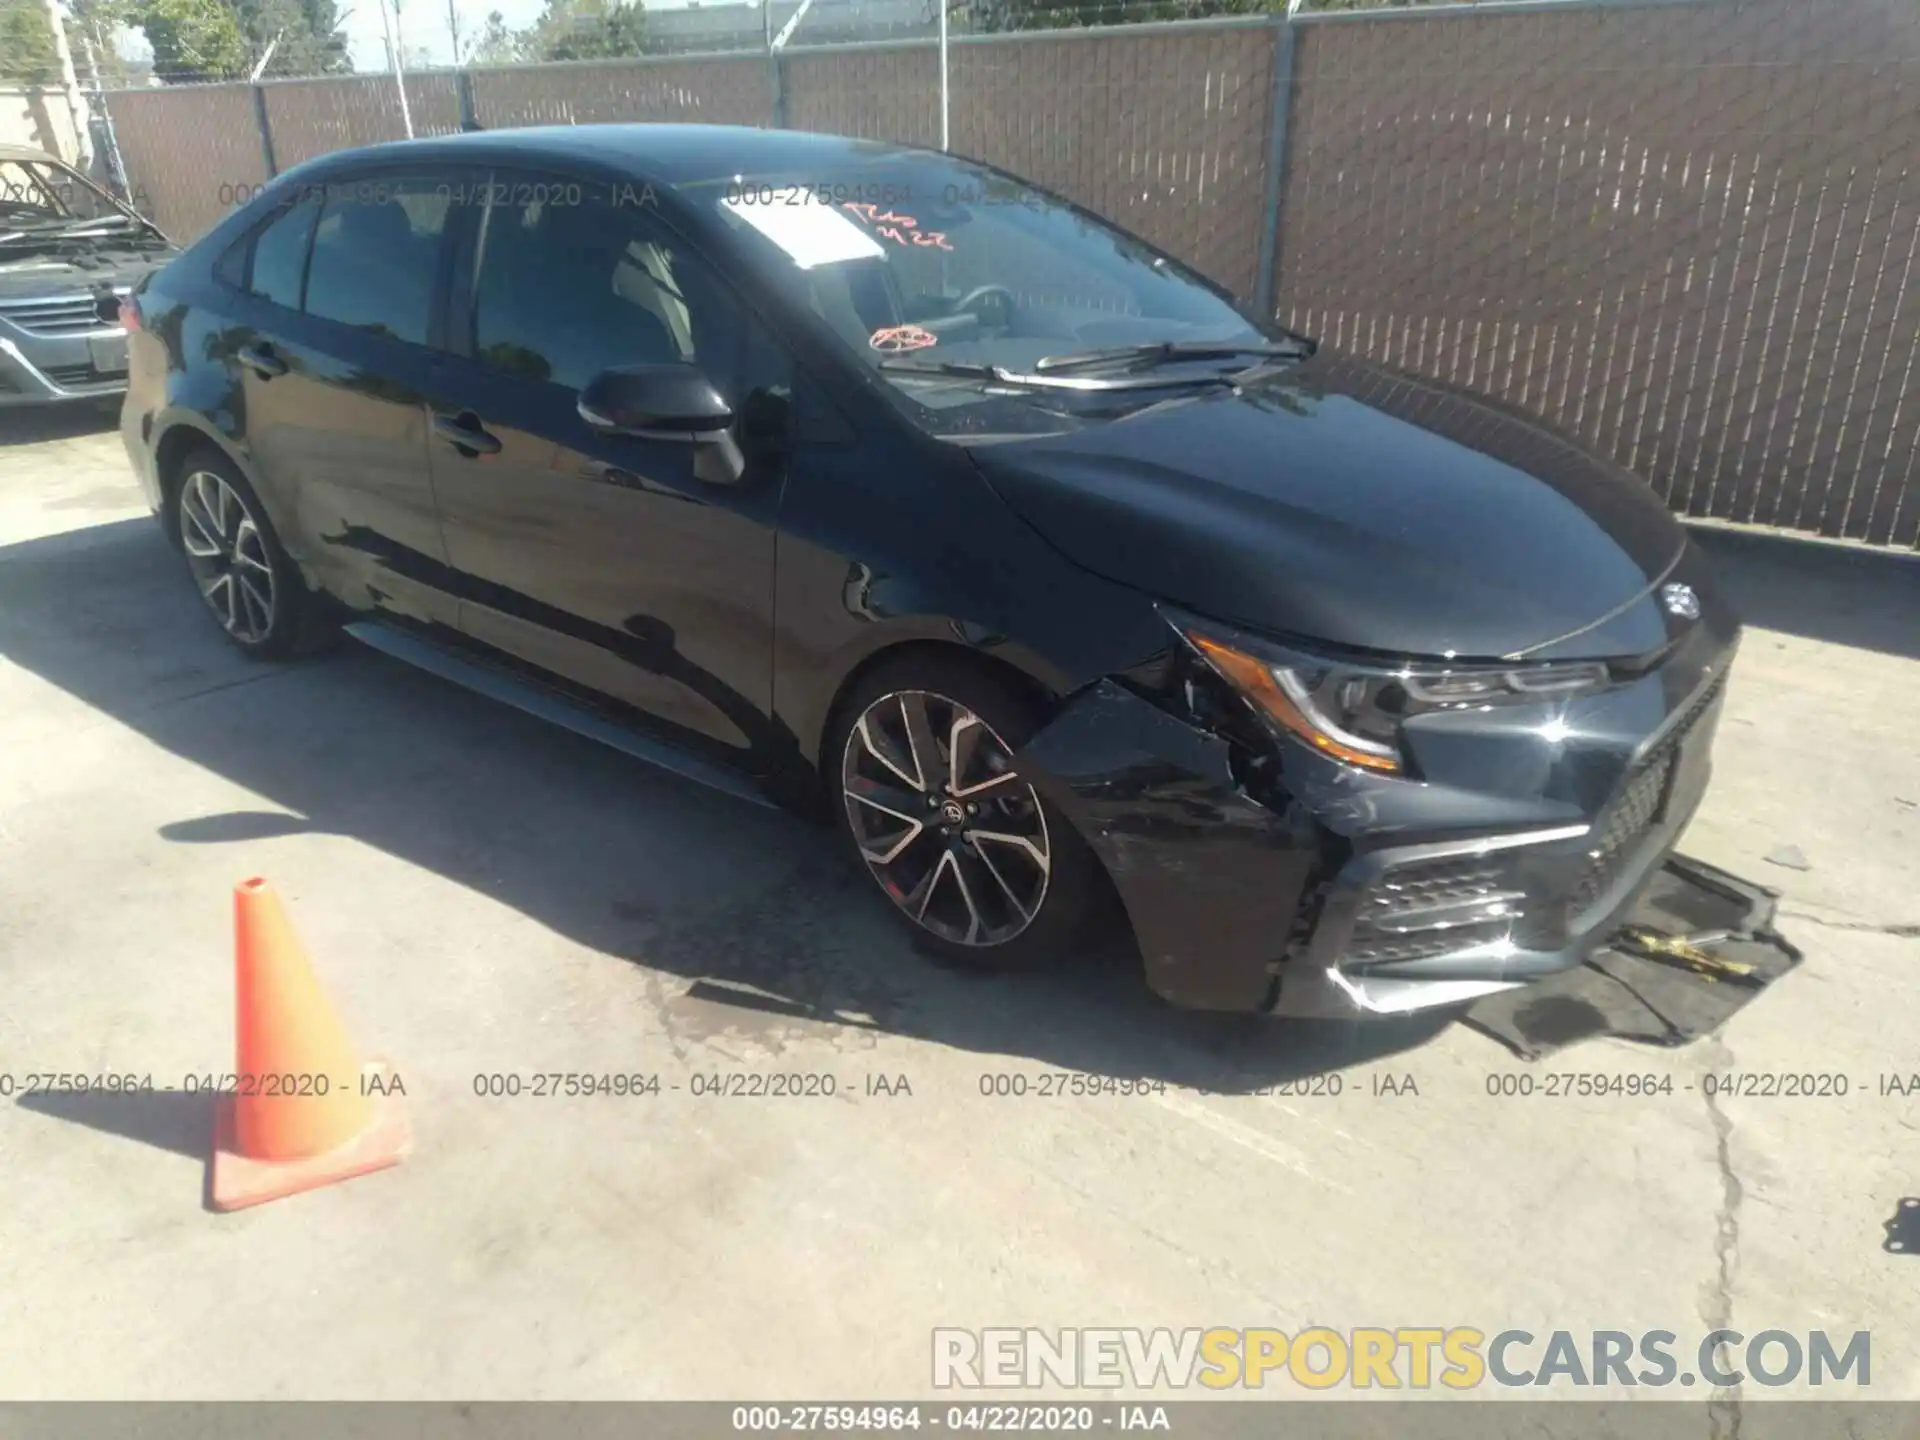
{"x": 1681, "y": 602}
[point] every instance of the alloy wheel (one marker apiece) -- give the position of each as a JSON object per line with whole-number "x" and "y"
{"x": 228, "y": 552}
{"x": 954, "y": 836}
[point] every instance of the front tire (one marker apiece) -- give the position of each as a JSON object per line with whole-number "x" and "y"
{"x": 982, "y": 870}
{"x": 251, "y": 587}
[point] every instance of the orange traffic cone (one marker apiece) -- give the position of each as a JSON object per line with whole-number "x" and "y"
{"x": 305, "y": 1112}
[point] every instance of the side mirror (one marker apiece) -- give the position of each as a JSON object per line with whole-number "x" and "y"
{"x": 656, "y": 402}
{"x": 668, "y": 402}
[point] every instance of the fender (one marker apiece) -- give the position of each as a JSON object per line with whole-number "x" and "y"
{"x": 1211, "y": 879}
{"x": 813, "y": 702}
{"x": 834, "y": 614}
{"x": 173, "y": 426}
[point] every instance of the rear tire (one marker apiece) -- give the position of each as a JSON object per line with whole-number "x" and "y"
{"x": 251, "y": 587}
{"x": 983, "y": 871}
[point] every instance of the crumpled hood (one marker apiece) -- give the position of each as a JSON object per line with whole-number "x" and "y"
{"x": 1353, "y": 504}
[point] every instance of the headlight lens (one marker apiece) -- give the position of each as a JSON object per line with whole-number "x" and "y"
{"x": 1354, "y": 712}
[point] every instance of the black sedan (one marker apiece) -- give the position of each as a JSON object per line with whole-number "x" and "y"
{"x": 861, "y": 477}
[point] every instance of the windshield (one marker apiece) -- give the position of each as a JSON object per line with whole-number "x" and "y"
{"x": 920, "y": 261}
{"x": 37, "y": 193}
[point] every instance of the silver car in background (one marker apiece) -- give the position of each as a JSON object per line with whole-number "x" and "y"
{"x": 69, "y": 252}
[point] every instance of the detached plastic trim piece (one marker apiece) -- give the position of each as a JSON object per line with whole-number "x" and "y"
{"x": 1654, "y": 1001}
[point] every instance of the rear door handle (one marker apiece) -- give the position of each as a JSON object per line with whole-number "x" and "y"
{"x": 262, "y": 361}
{"x": 465, "y": 433}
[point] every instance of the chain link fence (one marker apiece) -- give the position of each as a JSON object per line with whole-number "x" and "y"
{"x": 1682, "y": 230}
{"x": 1684, "y": 233}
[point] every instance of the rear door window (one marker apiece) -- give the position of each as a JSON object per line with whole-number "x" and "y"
{"x": 376, "y": 250}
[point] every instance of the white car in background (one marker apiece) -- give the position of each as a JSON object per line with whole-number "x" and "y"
{"x": 69, "y": 252}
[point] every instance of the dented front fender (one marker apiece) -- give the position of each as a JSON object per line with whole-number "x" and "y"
{"x": 1211, "y": 878}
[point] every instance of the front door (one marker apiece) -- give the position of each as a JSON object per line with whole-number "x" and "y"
{"x": 607, "y": 560}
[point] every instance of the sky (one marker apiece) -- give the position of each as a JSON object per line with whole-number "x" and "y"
{"x": 423, "y": 25}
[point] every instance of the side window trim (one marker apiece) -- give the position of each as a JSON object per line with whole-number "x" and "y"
{"x": 233, "y": 267}
{"x": 306, "y": 259}
{"x": 248, "y": 245}
{"x": 467, "y": 229}
{"x": 457, "y": 181}
{"x": 244, "y": 246}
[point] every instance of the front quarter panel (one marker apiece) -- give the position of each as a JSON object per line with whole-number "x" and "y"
{"x": 1210, "y": 878}
{"x": 897, "y": 540}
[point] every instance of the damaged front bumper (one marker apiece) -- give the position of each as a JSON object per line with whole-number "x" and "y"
{"x": 1308, "y": 901}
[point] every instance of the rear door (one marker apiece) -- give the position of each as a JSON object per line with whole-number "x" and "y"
{"x": 616, "y": 563}
{"x": 329, "y": 353}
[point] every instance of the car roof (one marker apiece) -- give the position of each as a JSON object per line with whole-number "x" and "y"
{"x": 672, "y": 155}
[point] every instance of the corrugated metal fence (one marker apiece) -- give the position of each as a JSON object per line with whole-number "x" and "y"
{"x": 1683, "y": 229}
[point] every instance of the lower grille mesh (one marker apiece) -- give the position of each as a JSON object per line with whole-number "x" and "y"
{"x": 1618, "y": 835}
{"x": 1389, "y": 926}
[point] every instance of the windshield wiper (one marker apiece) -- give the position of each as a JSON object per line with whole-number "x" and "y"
{"x": 941, "y": 367}
{"x": 1166, "y": 351}
{"x": 1024, "y": 380}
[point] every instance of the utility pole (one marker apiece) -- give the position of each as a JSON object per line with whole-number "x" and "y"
{"x": 390, "y": 19}
{"x": 453, "y": 29}
{"x": 266, "y": 58}
{"x": 116, "y": 171}
{"x": 70, "y": 82}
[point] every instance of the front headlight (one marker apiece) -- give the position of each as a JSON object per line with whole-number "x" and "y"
{"x": 1353, "y": 712}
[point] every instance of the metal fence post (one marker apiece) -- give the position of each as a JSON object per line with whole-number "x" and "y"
{"x": 1266, "y": 290}
{"x": 946, "y": 138}
{"x": 266, "y": 129}
{"x": 776, "y": 81}
{"x": 463, "y": 93}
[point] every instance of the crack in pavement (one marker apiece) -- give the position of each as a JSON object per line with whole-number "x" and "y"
{"x": 1900, "y": 931}
{"x": 1716, "y": 1309}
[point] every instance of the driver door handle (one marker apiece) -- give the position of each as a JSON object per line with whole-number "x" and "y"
{"x": 261, "y": 360}
{"x": 466, "y": 434}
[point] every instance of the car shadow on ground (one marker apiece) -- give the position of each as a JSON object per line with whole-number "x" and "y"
{"x": 1843, "y": 594}
{"x": 30, "y": 425}
{"x": 754, "y": 918}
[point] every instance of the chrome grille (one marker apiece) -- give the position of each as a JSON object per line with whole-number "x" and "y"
{"x": 69, "y": 376}
{"x": 57, "y": 315}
